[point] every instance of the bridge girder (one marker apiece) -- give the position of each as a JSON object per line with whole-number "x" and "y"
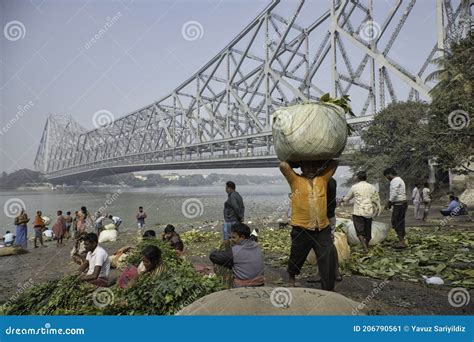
{"x": 224, "y": 110}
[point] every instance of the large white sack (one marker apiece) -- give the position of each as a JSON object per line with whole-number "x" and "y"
{"x": 108, "y": 235}
{"x": 46, "y": 220}
{"x": 268, "y": 301}
{"x": 379, "y": 231}
{"x": 312, "y": 131}
{"x": 109, "y": 226}
{"x": 342, "y": 247}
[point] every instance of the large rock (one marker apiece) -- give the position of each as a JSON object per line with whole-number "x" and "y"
{"x": 268, "y": 301}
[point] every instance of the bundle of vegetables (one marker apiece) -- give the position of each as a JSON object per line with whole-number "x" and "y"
{"x": 162, "y": 293}
{"x": 311, "y": 131}
{"x": 438, "y": 253}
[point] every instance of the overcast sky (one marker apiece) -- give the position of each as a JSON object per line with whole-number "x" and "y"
{"x": 55, "y": 68}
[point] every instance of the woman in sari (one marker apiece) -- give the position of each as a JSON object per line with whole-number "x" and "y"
{"x": 82, "y": 218}
{"x": 21, "y": 229}
{"x": 151, "y": 263}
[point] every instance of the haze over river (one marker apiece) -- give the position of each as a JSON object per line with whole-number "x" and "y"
{"x": 170, "y": 204}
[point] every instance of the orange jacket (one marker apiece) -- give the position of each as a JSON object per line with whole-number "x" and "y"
{"x": 308, "y": 197}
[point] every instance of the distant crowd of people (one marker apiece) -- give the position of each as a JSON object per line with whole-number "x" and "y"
{"x": 313, "y": 222}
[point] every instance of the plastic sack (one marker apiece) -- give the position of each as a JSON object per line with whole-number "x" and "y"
{"x": 342, "y": 247}
{"x": 108, "y": 235}
{"x": 313, "y": 131}
{"x": 109, "y": 226}
{"x": 46, "y": 220}
{"x": 379, "y": 231}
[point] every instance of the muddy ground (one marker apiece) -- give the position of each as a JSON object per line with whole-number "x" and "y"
{"x": 396, "y": 298}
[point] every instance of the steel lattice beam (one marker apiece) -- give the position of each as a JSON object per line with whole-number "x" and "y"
{"x": 223, "y": 112}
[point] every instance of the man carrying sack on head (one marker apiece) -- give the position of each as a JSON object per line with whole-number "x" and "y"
{"x": 309, "y": 219}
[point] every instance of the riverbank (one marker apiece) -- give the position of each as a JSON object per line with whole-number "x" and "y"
{"x": 391, "y": 296}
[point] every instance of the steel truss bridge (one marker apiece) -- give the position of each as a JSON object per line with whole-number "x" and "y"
{"x": 221, "y": 117}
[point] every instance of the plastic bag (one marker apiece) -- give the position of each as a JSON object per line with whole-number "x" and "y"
{"x": 108, "y": 235}
{"x": 312, "y": 131}
{"x": 379, "y": 231}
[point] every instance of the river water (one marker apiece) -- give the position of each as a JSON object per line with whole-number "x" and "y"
{"x": 176, "y": 205}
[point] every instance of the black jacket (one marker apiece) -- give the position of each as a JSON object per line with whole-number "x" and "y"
{"x": 234, "y": 208}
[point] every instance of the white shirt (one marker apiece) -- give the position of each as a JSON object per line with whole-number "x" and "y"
{"x": 366, "y": 199}
{"x": 48, "y": 233}
{"x": 416, "y": 195}
{"x": 98, "y": 257}
{"x": 426, "y": 192}
{"x": 397, "y": 190}
{"x": 116, "y": 219}
{"x": 8, "y": 238}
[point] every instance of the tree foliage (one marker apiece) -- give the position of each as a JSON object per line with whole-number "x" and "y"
{"x": 451, "y": 111}
{"x": 396, "y": 138}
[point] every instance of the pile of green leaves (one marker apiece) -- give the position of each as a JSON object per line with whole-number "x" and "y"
{"x": 153, "y": 294}
{"x": 447, "y": 254}
{"x": 342, "y": 102}
{"x": 195, "y": 236}
{"x": 54, "y": 298}
{"x": 200, "y": 242}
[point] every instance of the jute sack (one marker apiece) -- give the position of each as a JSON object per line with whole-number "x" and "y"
{"x": 312, "y": 131}
{"x": 342, "y": 247}
{"x": 5, "y": 251}
{"x": 259, "y": 301}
